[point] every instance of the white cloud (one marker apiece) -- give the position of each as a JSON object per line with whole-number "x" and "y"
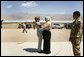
{"x": 29, "y": 4}
{"x": 9, "y": 6}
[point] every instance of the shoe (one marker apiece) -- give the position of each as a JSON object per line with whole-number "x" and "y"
{"x": 46, "y": 52}
{"x": 40, "y": 51}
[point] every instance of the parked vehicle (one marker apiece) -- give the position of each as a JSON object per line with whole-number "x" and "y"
{"x": 58, "y": 26}
{"x": 28, "y": 26}
{"x": 68, "y": 26}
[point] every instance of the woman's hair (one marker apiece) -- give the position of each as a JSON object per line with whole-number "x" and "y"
{"x": 48, "y": 19}
{"x": 37, "y": 18}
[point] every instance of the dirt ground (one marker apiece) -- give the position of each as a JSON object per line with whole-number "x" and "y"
{"x": 16, "y": 35}
{"x": 16, "y": 43}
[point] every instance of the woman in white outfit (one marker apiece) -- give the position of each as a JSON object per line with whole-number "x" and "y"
{"x": 39, "y": 33}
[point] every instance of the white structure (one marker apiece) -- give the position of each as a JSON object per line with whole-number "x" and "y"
{"x": 21, "y": 21}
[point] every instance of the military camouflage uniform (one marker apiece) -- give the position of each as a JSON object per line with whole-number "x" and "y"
{"x": 76, "y": 36}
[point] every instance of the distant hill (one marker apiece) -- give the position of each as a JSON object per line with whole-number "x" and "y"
{"x": 26, "y": 16}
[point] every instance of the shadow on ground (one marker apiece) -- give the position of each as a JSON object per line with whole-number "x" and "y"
{"x": 32, "y": 50}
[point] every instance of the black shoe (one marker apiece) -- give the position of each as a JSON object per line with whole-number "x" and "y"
{"x": 46, "y": 52}
{"x": 40, "y": 51}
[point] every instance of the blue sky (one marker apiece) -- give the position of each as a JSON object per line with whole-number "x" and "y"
{"x": 41, "y": 7}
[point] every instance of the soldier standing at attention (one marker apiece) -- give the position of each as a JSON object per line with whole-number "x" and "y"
{"x": 76, "y": 33}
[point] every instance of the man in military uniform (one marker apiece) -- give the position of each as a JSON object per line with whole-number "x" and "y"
{"x": 24, "y": 27}
{"x": 76, "y": 33}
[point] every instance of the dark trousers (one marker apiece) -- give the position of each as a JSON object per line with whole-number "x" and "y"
{"x": 47, "y": 39}
{"x": 24, "y": 30}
